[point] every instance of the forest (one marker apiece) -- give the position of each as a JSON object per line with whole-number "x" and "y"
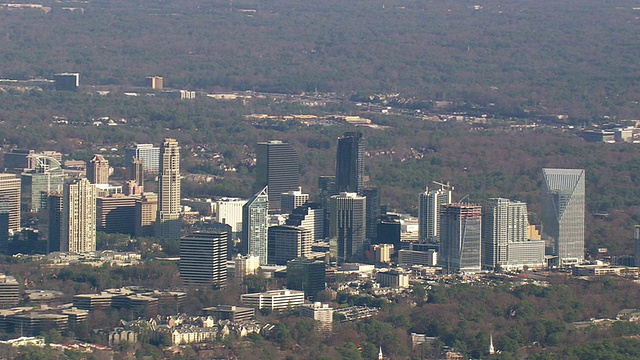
{"x": 573, "y": 57}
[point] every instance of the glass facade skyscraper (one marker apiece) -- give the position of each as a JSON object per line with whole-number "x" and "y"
{"x": 278, "y": 167}
{"x": 255, "y": 224}
{"x": 563, "y": 213}
{"x": 350, "y": 163}
{"x": 460, "y": 237}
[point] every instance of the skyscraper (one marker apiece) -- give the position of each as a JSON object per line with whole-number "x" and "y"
{"x": 287, "y": 243}
{"x": 147, "y": 153}
{"x": 146, "y": 213}
{"x": 45, "y": 175}
{"x": 307, "y": 275}
{"x": 55, "y": 210}
{"x": 229, "y": 211}
{"x": 373, "y": 211}
{"x": 135, "y": 171}
{"x": 505, "y": 236}
{"x": 78, "y": 230}
{"x": 255, "y": 222}
{"x": 10, "y": 192}
{"x": 203, "y": 258}
{"x": 429, "y": 212}
{"x": 169, "y": 222}
{"x": 116, "y": 214}
{"x": 98, "y": 170}
{"x": 278, "y": 167}
{"x": 350, "y": 163}
{"x": 292, "y": 199}
{"x": 563, "y": 213}
{"x": 460, "y": 237}
{"x": 309, "y": 216}
{"x": 348, "y": 225}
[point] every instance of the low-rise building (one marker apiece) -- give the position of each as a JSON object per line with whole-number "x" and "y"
{"x": 231, "y": 312}
{"x": 393, "y": 279}
{"x": 322, "y": 313}
{"x": 274, "y": 300}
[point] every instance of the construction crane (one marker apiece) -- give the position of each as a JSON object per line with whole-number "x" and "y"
{"x": 444, "y": 186}
{"x": 464, "y": 197}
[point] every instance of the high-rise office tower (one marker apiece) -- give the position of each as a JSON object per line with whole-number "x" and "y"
{"x": 563, "y": 213}
{"x": 147, "y": 153}
{"x": 309, "y": 216}
{"x": 203, "y": 258}
{"x": 307, "y": 275}
{"x": 10, "y": 192}
{"x": 291, "y": 200}
{"x": 255, "y": 222}
{"x": 278, "y": 167}
{"x": 348, "y": 225}
{"x": 146, "y": 213}
{"x": 78, "y": 230}
{"x": 54, "y": 210}
{"x": 505, "y": 236}
{"x": 429, "y": 212}
{"x": 4, "y": 226}
{"x": 116, "y": 214}
{"x": 135, "y": 171}
{"x": 229, "y": 211}
{"x": 460, "y": 237}
{"x": 350, "y": 163}
{"x": 45, "y": 175}
{"x": 98, "y": 170}
{"x": 287, "y": 243}
{"x": 326, "y": 189}
{"x": 388, "y": 231}
{"x": 373, "y": 211}
{"x": 169, "y": 222}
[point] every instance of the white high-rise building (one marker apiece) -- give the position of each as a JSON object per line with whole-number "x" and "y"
{"x": 505, "y": 236}
{"x": 147, "y": 153}
{"x": 563, "y": 213}
{"x": 229, "y": 211}
{"x": 291, "y": 200}
{"x": 10, "y": 193}
{"x": 169, "y": 222}
{"x": 429, "y": 212}
{"x": 78, "y": 230}
{"x": 310, "y": 216}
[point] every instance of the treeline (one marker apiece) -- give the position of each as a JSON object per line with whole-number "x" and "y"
{"x": 513, "y": 57}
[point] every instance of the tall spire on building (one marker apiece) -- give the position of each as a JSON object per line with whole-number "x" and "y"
{"x": 380, "y": 356}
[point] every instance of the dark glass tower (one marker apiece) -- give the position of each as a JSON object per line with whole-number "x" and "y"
{"x": 350, "y": 163}
{"x": 203, "y": 258}
{"x": 307, "y": 275}
{"x": 277, "y": 166}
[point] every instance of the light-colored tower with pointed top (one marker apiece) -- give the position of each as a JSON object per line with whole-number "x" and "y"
{"x": 98, "y": 170}
{"x": 168, "y": 222}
